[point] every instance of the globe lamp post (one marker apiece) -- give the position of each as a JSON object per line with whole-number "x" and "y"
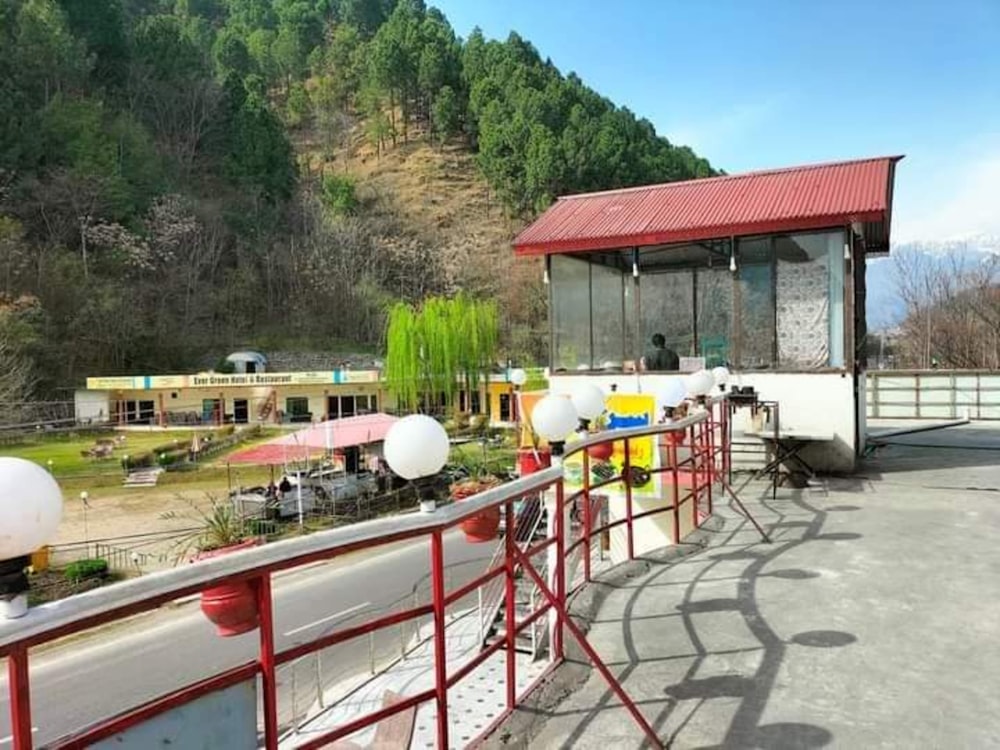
{"x": 518, "y": 378}
{"x": 588, "y": 400}
{"x": 554, "y": 419}
{"x": 699, "y": 383}
{"x": 672, "y": 395}
{"x": 721, "y": 375}
{"x": 416, "y": 448}
{"x": 30, "y": 510}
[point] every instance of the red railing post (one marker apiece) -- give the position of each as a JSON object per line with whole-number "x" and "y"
{"x": 711, "y": 457}
{"x": 586, "y": 517}
{"x": 675, "y": 477}
{"x": 626, "y": 476}
{"x": 560, "y": 571}
{"x": 269, "y": 682}
{"x": 20, "y": 697}
{"x": 440, "y": 655}
{"x": 509, "y": 608}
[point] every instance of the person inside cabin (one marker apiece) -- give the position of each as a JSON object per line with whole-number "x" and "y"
{"x": 658, "y": 357}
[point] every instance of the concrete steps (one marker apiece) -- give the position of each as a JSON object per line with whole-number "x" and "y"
{"x": 142, "y": 478}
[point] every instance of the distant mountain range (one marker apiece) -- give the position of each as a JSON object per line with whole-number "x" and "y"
{"x": 884, "y": 307}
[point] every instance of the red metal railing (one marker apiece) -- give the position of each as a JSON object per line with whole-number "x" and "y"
{"x": 695, "y": 461}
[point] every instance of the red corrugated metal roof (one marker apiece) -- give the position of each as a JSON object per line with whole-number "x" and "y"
{"x": 779, "y": 200}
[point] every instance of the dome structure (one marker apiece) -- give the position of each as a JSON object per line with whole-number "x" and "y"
{"x": 247, "y": 362}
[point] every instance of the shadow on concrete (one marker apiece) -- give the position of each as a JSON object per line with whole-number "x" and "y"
{"x": 953, "y": 447}
{"x": 753, "y": 688}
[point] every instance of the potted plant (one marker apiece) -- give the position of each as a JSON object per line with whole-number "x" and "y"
{"x": 231, "y": 607}
{"x": 481, "y": 527}
{"x": 601, "y": 451}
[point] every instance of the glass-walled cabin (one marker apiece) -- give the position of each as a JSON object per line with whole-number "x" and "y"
{"x": 766, "y": 303}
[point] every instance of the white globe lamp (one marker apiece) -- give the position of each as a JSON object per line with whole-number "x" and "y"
{"x": 721, "y": 375}
{"x": 518, "y": 377}
{"x": 699, "y": 383}
{"x": 588, "y": 400}
{"x": 30, "y": 510}
{"x": 672, "y": 394}
{"x": 416, "y": 448}
{"x": 554, "y": 419}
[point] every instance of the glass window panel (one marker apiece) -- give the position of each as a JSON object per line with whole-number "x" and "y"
{"x": 835, "y": 254}
{"x": 715, "y": 313}
{"x": 666, "y": 305}
{"x": 607, "y": 301}
{"x": 755, "y": 280}
{"x": 810, "y": 300}
{"x": 569, "y": 282}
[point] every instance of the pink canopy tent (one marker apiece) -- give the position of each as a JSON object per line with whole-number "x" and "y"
{"x": 333, "y": 435}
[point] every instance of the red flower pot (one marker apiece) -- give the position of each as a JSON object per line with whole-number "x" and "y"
{"x": 529, "y": 461}
{"x": 601, "y": 451}
{"x": 231, "y": 607}
{"x": 481, "y": 527}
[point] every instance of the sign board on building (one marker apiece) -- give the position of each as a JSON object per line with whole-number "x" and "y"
{"x": 234, "y": 380}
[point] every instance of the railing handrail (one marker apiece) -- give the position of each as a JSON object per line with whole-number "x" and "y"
{"x": 105, "y": 603}
{"x": 931, "y": 372}
{"x": 177, "y": 582}
{"x": 255, "y": 567}
{"x": 628, "y": 433}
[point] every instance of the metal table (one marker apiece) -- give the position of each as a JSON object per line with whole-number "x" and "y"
{"x": 786, "y": 448}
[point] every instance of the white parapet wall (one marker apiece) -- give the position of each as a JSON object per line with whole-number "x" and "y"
{"x": 821, "y": 403}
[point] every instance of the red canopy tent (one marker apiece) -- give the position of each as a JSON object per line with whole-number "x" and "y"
{"x": 334, "y": 435}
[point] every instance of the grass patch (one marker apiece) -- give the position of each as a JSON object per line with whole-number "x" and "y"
{"x": 76, "y": 472}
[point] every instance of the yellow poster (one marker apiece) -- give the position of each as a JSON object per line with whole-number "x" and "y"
{"x": 623, "y": 411}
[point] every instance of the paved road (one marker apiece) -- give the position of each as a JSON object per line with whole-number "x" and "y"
{"x": 85, "y": 681}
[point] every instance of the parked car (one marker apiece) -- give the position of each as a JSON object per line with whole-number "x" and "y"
{"x": 322, "y": 491}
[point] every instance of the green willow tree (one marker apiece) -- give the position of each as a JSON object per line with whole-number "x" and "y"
{"x": 439, "y": 349}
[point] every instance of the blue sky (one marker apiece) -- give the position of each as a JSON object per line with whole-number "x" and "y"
{"x": 766, "y": 83}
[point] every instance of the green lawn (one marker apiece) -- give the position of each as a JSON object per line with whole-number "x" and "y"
{"x": 71, "y": 468}
{"x": 65, "y": 451}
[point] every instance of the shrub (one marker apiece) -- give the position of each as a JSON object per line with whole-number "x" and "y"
{"x": 84, "y": 569}
{"x": 262, "y": 527}
{"x": 339, "y": 194}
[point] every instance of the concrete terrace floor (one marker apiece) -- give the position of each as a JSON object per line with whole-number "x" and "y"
{"x": 871, "y": 621}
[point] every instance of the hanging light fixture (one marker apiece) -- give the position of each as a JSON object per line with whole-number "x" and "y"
{"x": 732, "y": 259}
{"x": 847, "y": 250}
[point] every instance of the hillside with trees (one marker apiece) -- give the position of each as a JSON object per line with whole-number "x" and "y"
{"x": 181, "y": 177}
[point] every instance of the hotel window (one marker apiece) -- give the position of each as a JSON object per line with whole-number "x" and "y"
{"x": 506, "y": 413}
{"x": 297, "y": 406}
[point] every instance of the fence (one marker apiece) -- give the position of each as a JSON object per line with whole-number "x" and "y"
{"x": 696, "y": 462}
{"x": 933, "y": 394}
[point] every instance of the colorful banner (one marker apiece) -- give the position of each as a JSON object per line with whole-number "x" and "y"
{"x": 623, "y": 411}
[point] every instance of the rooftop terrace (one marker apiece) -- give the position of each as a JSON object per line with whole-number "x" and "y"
{"x": 870, "y": 621}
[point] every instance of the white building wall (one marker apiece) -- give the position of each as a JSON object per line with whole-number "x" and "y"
{"x": 92, "y": 406}
{"x": 819, "y": 403}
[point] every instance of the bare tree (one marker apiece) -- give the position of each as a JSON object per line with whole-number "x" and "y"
{"x": 16, "y": 378}
{"x": 952, "y": 309}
